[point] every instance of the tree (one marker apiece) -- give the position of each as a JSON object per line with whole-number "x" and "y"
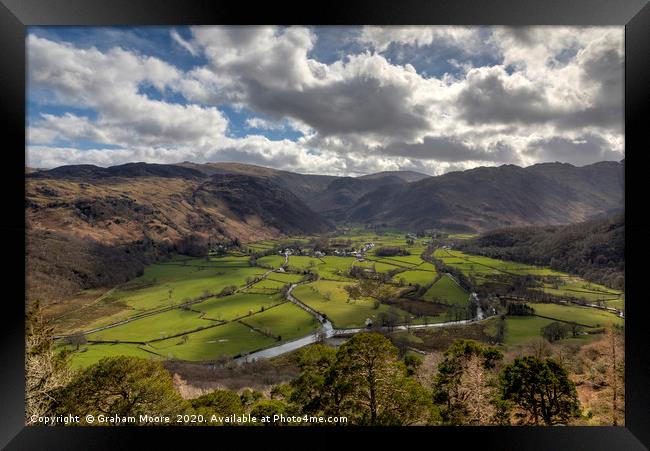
{"x": 555, "y": 331}
{"x": 604, "y": 361}
{"x": 269, "y": 408}
{"x": 309, "y": 389}
{"x": 123, "y": 386}
{"x": 371, "y": 287}
{"x": 541, "y": 391}
{"x": 388, "y": 319}
{"x": 539, "y": 348}
{"x": 413, "y": 363}
{"x": 374, "y": 383}
{"x": 616, "y": 369}
{"x": 249, "y": 397}
{"x": 77, "y": 340}
{"x": 465, "y": 377}
{"x": 221, "y": 403}
{"x": 46, "y": 371}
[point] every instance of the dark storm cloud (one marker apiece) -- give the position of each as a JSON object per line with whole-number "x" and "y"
{"x": 585, "y": 150}
{"x": 355, "y": 105}
{"x": 604, "y": 68}
{"x": 449, "y": 149}
{"x": 485, "y": 99}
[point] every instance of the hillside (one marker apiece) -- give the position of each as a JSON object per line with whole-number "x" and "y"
{"x": 491, "y": 197}
{"x": 305, "y": 186}
{"x": 407, "y": 176}
{"x": 164, "y": 208}
{"x": 156, "y": 209}
{"x": 325, "y": 194}
{"x": 594, "y": 250}
{"x": 344, "y": 192}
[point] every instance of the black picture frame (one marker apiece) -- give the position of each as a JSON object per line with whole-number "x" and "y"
{"x": 16, "y": 15}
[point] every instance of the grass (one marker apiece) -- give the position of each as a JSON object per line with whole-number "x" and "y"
{"x": 184, "y": 283}
{"x": 591, "y": 292}
{"x": 230, "y": 307}
{"x": 287, "y": 321}
{"x": 447, "y": 291}
{"x": 285, "y": 277}
{"x": 380, "y": 266}
{"x": 481, "y": 268}
{"x": 520, "y": 329}
{"x": 272, "y": 261}
{"x": 152, "y": 290}
{"x": 230, "y": 340}
{"x": 329, "y": 267}
{"x": 340, "y": 312}
{"x": 92, "y": 353}
{"x": 259, "y": 315}
{"x": 582, "y": 315}
{"x": 267, "y": 284}
{"x": 153, "y": 327}
{"x": 216, "y": 262}
{"x": 479, "y": 265}
{"x": 416, "y": 276}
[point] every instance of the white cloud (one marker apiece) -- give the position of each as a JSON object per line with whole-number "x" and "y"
{"x": 182, "y": 42}
{"x": 110, "y": 83}
{"x": 466, "y": 39}
{"x": 556, "y": 90}
{"x": 262, "y": 124}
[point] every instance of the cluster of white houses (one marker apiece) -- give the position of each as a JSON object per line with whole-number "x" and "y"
{"x": 357, "y": 253}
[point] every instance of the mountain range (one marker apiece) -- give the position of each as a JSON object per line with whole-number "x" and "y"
{"x": 175, "y": 205}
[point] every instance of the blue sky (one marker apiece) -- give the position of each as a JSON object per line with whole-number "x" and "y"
{"x": 337, "y": 100}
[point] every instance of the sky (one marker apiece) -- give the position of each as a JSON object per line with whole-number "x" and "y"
{"x": 325, "y": 100}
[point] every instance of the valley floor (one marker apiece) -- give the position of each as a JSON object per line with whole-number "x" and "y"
{"x": 272, "y": 297}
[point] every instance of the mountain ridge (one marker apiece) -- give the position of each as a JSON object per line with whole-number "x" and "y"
{"x": 151, "y": 210}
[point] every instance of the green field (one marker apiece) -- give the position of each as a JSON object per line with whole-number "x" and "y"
{"x": 285, "y": 277}
{"x": 230, "y": 339}
{"x": 380, "y": 266}
{"x": 183, "y": 282}
{"x": 256, "y": 316}
{"x": 287, "y": 321}
{"x": 328, "y": 267}
{"x": 479, "y": 265}
{"x": 523, "y": 328}
{"x": 482, "y": 268}
{"x": 93, "y": 353}
{"x": 266, "y": 285}
{"x": 340, "y": 312}
{"x": 238, "y": 305}
{"x": 272, "y": 261}
{"x": 582, "y": 315}
{"x": 580, "y": 289}
{"x": 153, "y": 327}
{"x": 416, "y": 276}
{"x": 447, "y": 291}
{"x": 520, "y": 329}
{"x": 162, "y": 285}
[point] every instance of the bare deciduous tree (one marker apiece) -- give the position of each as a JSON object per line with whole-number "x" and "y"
{"x": 45, "y": 370}
{"x": 476, "y": 391}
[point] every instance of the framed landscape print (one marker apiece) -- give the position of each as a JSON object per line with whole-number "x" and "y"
{"x": 371, "y": 221}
